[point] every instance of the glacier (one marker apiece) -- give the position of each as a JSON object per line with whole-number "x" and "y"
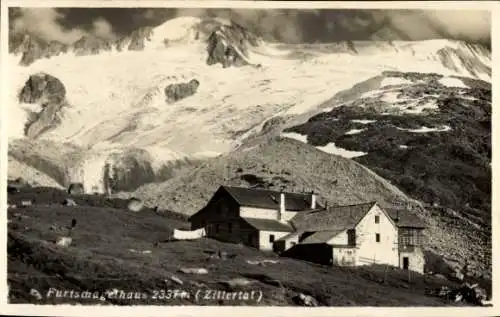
{"x": 117, "y": 105}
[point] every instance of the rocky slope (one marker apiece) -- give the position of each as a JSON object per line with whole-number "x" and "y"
{"x": 427, "y": 133}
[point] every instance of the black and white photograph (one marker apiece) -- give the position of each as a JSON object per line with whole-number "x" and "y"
{"x": 248, "y": 156}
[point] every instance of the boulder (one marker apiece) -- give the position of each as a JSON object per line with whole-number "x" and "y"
{"x": 135, "y": 205}
{"x": 176, "y": 280}
{"x": 458, "y": 275}
{"x": 235, "y": 282}
{"x": 64, "y": 241}
{"x": 194, "y": 270}
{"x": 26, "y": 203}
{"x": 305, "y": 300}
{"x": 176, "y": 92}
{"x": 469, "y": 293}
{"x": 69, "y": 202}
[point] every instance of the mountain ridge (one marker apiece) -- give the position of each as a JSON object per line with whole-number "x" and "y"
{"x": 175, "y": 31}
{"x": 454, "y": 54}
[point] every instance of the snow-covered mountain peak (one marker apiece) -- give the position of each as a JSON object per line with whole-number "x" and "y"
{"x": 181, "y": 29}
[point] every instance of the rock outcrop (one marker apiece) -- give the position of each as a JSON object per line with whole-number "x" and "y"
{"x": 90, "y": 45}
{"x": 33, "y": 48}
{"x": 228, "y": 45}
{"x": 176, "y": 92}
{"x": 135, "y": 41}
{"x": 48, "y": 92}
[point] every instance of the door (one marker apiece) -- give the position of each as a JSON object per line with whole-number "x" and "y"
{"x": 406, "y": 263}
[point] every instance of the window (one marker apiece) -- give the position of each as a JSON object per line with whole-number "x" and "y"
{"x": 271, "y": 238}
{"x": 377, "y": 219}
{"x": 377, "y": 237}
{"x": 249, "y": 238}
{"x": 410, "y": 237}
{"x": 217, "y": 228}
{"x": 351, "y": 237}
{"x": 230, "y": 227}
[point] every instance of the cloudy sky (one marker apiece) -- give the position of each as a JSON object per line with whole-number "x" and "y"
{"x": 69, "y": 24}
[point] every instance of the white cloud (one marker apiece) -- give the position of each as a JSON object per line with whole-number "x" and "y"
{"x": 45, "y": 23}
{"x": 103, "y": 28}
{"x": 469, "y": 24}
{"x": 149, "y": 14}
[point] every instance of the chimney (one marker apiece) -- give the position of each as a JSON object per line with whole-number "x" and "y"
{"x": 282, "y": 205}
{"x": 313, "y": 200}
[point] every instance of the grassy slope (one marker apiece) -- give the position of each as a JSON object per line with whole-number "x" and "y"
{"x": 99, "y": 259}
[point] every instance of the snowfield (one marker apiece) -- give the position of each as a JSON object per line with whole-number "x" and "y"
{"x": 117, "y": 99}
{"x": 452, "y": 82}
{"x": 330, "y": 148}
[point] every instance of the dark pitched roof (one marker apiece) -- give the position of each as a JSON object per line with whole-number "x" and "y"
{"x": 268, "y": 225}
{"x": 406, "y": 219}
{"x": 269, "y": 199}
{"x": 321, "y": 237}
{"x": 333, "y": 218}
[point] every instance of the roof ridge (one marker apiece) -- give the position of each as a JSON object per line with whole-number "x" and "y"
{"x": 352, "y": 205}
{"x": 264, "y": 190}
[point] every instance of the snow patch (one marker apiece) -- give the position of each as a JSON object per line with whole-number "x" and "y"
{"x": 403, "y": 146}
{"x": 394, "y": 81}
{"x": 419, "y": 109}
{"x": 452, "y": 82}
{"x": 295, "y": 136}
{"x": 354, "y": 131}
{"x": 182, "y": 28}
{"x": 425, "y": 129}
{"x": 363, "y": 121}
{"x": 390, "y": 97}
{"x": 331, "y": 148}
